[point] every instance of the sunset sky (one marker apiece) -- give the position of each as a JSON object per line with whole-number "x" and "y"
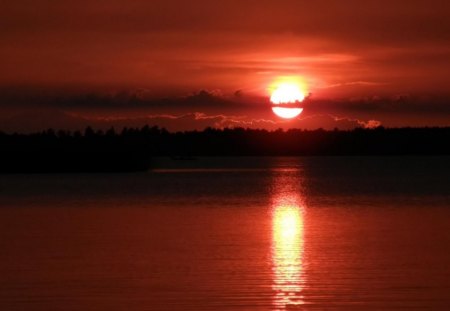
{"x": 190, "y": 64}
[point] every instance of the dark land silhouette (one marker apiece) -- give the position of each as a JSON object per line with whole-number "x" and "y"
{"x": 131, "y": 149}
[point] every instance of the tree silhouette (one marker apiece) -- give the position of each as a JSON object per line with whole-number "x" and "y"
{"x": 132, "y": 148}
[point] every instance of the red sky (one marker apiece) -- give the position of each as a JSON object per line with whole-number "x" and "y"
{"x": 358, "y": 51}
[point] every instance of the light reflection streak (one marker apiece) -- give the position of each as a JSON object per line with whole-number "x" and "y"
{"x": 287, "y": 247}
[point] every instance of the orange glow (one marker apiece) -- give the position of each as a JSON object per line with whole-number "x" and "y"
{"x": 287, "y": 93}
{"x": 287, "y": 253}
{"x": 287, "y": 228}
{"x": 287, "y": 113}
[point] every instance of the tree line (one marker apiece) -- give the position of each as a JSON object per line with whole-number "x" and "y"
{"x": 155, "y": 141}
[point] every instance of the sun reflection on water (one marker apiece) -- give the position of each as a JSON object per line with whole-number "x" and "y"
{"x": 287, "y": 250}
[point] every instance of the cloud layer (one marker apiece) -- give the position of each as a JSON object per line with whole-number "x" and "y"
{"x": 341, "y": 48}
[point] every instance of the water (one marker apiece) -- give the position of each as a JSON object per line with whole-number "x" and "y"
{"x": 230, "y": 234}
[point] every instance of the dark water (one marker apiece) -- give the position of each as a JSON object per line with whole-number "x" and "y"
{"x": 230, "y": 234}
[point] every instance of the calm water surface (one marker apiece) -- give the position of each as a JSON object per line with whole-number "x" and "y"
{"x": 230, "y": 234}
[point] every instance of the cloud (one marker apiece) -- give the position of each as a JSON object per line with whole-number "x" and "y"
{"x": 328, "y": 122}
{"x": 40, "y": 120}
{"x": 372, "y": 124}
{"x": 215, "y": 108}
{"x": 188, "y": 121}
{"x": 351, "y": 83}
{"x": 168, "y": 45}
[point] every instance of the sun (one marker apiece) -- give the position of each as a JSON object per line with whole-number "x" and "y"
{"x": 286, "y": 97}
{"x": 287, "y": 93}
{"x": 287, "y": 113}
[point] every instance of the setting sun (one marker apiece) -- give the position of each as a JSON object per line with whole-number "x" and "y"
{"x": 288, "y": 94}
{"x": 287, "y": 113}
